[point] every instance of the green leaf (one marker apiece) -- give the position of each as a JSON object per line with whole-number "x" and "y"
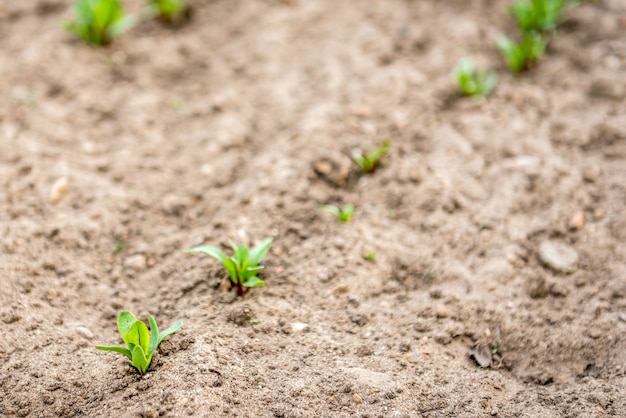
{"x": 121, "y": 350}
{"x": 254, "y": 282}
{"x": 139, "y": 359}
{"x": 210, "y": 251}
{"x": 240, "y": 256}
{"x": 231, "y": 269}
{"x": 124, "y": 322}
{"x": 154, "y": 335}
{"x": 139, "y": 336}
{"x": 258, "y": 253}
{"x": 169, "y": 331}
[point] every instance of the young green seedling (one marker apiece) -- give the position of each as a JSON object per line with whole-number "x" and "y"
{"x": 167, "y": 10}
{"x": 537, "y": 16}
{"x": 472, "y": 82}
{"x": 344, "y": 214}
{"x": 99, "y": 22}
{"x": 370, "y": 161}
{"x": 525, "y": 54}
{"x": 140, "y": 343}
{"x": 244, "y": 265}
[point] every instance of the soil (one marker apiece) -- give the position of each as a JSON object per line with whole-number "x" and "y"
{"x": 236, "y": 125}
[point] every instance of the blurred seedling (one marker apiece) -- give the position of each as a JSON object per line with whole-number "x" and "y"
{"x": 368, "y": 162}
{"x": 537, "y": 16}
{"x": 474, "y": 82}
{"x": 525, "y": 54}
{"x": 140, "y": 343}
{"x": 370, "y": 256}
{"x": 344, "y": 214}
{"x": 167, "y": 10}
{"x": 244, "y": 265}
{"x": 99, "y": 22}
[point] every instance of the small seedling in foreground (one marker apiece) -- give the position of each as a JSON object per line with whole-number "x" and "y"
{"x": 99, "y": 22}
{"x": 370, "y": 161}
{"x": 370, "y": 256}
{"x": 140, "y": 343}
{"x": 243, "y": 267}
{"x": 537, "y": 16}
{"x": 472, "y": 82}
{"x": 167, "y": 10}
{"x": 344, "y": 214}
{"x": 523, "y": 55}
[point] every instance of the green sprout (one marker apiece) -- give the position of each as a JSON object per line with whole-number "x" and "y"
{"x": 472, "y": 82}
{"x": 537, "y": 16}
{"x": 99, "y": 22}
{"x": 370, "y": 161}
{"x": 344, "y": 214}
{"x": 243, "y": 267}
{"x": 167, "y": 10}
{"x": 523, "y": 55}
{"x": 370, "y": 256}
{"x": 140, "y": 343}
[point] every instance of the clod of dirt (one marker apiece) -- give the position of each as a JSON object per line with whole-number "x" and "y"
{"x": 59, "y": 190}
{"x": 558, "y": 256}
{"x": 538, "y": 288}
{"x": 241, "y": 316}
{"x": 482, "y": 355}
{"x": 335, "y": 169}
{"x": 358, "y": 319}
{"x": 136, "y": 262}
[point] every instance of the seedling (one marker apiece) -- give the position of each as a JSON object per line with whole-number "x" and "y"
{"x": 344, "y": 214}
{"x": 243, "y": 267}
{"x": 167, "y": 10}
{"x": 523, "y": 55}
{"x": 99, "y": 22}
{"x": 537, "y": 16}
{"x": 472, "y": 82}
{"x": 370, "y": 161}
{"x": 370, "y": 256}
{"x": 140, "y": 343}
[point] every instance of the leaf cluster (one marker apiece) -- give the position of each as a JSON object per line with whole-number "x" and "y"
{"x": 472, "y": 82}
{"x": 368, "y": 162}
{"x": 539, "y": 16}
{"x": 523, "y": 55}
{"x": 344, "y": 214}
{"x": 99, "y": 22}
{"x": 243, "y": 266}
{"x": 167, "y": 10}
{"x": 140, "y": 343}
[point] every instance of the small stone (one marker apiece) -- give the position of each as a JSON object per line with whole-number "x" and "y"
{"x": 442, "y": 313}
{"x": 357, "y": 399}
{"x": 300, "y": 327}
{"x": 364, "y": 351}
{"x": 558, "y": 256}
{"x": 85, "y": 333}
{"x": 136, "y": 262}
{"x": 359, "y": 319}
{"x": 184, "y": 402}
{"x": 594, "y": 333}
{"x": 607, "y": 88}
{"x": 59, "y": 190}
{"x": 405, "y": 347}
{"x": 577, "y": 221}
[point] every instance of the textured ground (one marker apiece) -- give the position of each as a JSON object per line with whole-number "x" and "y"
{"x": 238, "y": 125}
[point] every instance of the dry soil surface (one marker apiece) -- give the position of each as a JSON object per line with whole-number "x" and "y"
{"x": 236, "y": 125}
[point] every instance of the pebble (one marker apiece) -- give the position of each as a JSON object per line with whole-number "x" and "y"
{"x": 136, "y": 262}
{"x": 558, "y": 256}
{"x": 59, "y": 190}
{"x": 300, "y": 327}
{"x": 577, "y": 221}
{"x": 85, "y": 333}
{"x": 357, "y": 399}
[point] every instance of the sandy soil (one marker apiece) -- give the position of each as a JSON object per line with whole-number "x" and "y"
{"x": 237, "y": 125}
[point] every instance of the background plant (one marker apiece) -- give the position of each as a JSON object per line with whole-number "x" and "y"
{"x": 140, "y": 343}
{"x": 99, "y": 22}
{"x": 525, "y": 54}
{"x": 344, "y": 214}
{"x": 538, "y": 16}
{"x": 368, "y": 162}
{"x": 167, "y": 10}
{"x": 472, "y": 82}
{"x": 244, "y": 265}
